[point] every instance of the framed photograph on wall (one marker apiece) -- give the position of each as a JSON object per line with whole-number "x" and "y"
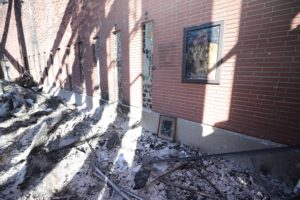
{"x": 202, "y": 46}
{"x": 167, "y": 127}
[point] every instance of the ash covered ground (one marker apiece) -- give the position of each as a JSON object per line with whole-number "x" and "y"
{"x": 51, "y": 150}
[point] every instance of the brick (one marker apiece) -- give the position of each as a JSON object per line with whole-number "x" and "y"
{"x": 259, "y": 77}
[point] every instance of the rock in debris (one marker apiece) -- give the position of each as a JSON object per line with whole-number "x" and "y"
{"x": 112, "y": 141}
{"x": 4, "y": 110}
{"x": 26, "y": 80}
{"x": 212, "y": 168}
{"x": 53, "y": 102}
{"x": 141, "y": 178}
{"x": 30, "y": 95}
{"x": 18, "y": 100}
{"x": 37, "y": 88}
{"x": 29, "y": 102}
{"x": 161, "y": 167}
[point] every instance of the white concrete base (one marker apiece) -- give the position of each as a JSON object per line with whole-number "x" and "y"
{"x": 208, "y": 138}
{"x": 215, "y": 140}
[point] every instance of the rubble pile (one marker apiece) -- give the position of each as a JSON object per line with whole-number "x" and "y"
{"x": 204, "y": 179}
{"x": 49, "y": 150}
{"x": 26, "y": 80}
{"x": 15, "y": 98}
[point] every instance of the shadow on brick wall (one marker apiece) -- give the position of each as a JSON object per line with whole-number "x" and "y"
{"x": 266, "y": 76}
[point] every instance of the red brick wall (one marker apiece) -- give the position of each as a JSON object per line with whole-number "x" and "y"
{"x": 259, "y": 90}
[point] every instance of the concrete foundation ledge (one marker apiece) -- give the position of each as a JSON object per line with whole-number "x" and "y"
{"x": 210, "y": 139}
{"x": 215, "y": 140}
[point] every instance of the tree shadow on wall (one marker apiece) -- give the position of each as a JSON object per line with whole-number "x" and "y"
{"x": 263, "y": 92}
{"x": 264, "y": 97}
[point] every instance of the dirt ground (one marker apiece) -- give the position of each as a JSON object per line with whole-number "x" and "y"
{"x": 50, "y": 150}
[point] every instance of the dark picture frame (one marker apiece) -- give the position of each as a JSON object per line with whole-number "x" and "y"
{"x": 167, "y": 127}
{"x": 202, "y": 48}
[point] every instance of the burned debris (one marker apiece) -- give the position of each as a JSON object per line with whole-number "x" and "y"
{"x": 18, "y": 97}
{"x": 50, "y": 150}
{"x": 207, "y": 73}
{"x": 26, "y": 80}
